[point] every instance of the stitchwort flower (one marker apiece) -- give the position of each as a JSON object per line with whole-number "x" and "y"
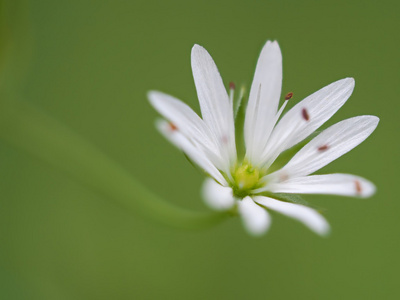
{"x": 250, "y": 184}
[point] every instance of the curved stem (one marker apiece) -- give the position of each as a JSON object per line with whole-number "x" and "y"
{"x": 27, "y": 128}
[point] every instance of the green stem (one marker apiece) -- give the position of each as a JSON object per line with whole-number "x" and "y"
{"x": 27, "y": 128}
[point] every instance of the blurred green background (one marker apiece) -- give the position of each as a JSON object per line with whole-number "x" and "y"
{"x": 89, "y": 64}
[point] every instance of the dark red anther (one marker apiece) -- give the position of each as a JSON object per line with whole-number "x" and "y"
{"x": 232, "y": 86}
{"x": 323, "y": 148}
{"x": 358, "y": 187}
{"x": 305, "y": 114}
{"x": 288, "y": 96}
{"x": 172, "y": 126}
{"x": 283, "y": 177}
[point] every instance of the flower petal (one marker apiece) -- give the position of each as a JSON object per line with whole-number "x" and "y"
{"x": 263, "y": 100}
{"x": 255, "y": 219}
{"x": 328, "y": 146}
{"x": 333, "y": 184}
{"x": 188, "y": 123}
{"x": 307, "y": 116}
{"x": 180, "y": 141}
{"x": 216, "y": 196}
{"x": 216, "y": 109}
{"x": 308, "y": 216}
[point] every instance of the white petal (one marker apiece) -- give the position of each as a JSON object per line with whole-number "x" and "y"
{"x": 180, "y": 114}
{"x": 180, "y": 141}
{"x": 263, "y": 100}
{"x": 308, "y": 216}
{"x": 307, "y": 116}
{"x": 216, "y": 196}
{"x": 333, "y": 184}
{"x": 216, "y": 109}
{"x": 255, "y": 219}
{"x": 328, "y": 146}
{"x": 188, "y": 123}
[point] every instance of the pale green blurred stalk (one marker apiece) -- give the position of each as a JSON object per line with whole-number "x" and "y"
{"x": 29, "y": 129}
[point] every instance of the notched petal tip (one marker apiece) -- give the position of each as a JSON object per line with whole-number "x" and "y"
{"x": 271, "y": 49}
{"x": 276, "y": 44}
{"x": 272, "y": 46}
{"x": 271, "y": 43}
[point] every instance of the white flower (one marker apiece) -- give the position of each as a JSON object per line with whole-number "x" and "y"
{"x": 245, "y": 184}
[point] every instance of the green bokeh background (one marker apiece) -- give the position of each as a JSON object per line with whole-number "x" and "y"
{"x": 89, "y": 64}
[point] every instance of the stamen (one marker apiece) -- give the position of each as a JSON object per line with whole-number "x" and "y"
{"x": 288, "y": 96}
{"x": 172, "y": 126}
{"x": 231, "y": 91}
{"x": 323, "y": 148}
{"x": 305, "y": 114}
{"x": 278, "y": 114}
{"x": 358, "y": 187}
{"x": 238, "y": 102}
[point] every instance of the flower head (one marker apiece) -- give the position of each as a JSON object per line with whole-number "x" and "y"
{"x": 247, "y": 184}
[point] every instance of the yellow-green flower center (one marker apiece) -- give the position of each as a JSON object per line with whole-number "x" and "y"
{"x": 245, "y": 179}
